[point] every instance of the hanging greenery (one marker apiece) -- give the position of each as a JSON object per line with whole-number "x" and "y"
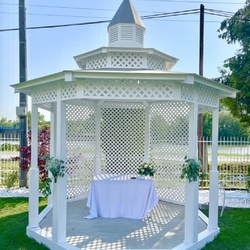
{"x": 192, "y": 169}
{"x": 56, "y": 168}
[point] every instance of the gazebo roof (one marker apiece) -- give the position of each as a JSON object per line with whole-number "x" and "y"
{"x": 126, "y": 14}
{"x": 68, "y": 76}
{"x": 125, "y": 58}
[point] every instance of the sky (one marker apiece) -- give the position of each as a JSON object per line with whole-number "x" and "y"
{"x": 52, "y": 50}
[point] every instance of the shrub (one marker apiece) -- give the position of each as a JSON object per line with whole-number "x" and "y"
{"x": 11, "y": 180}
{"x": 8, "y": 147}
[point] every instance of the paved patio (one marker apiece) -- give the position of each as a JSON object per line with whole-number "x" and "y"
{"x": 162, "y": 229}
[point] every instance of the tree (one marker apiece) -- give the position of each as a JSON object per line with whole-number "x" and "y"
{"x": 236, "y": 71}
{"x": 8, "y": 123}
{"x": 41, "y": 121}
{"x": 229, "y": 126}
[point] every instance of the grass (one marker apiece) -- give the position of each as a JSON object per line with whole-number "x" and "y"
{"x": 234, "y": 231}
{"x": 13, "y": 223}
{"x": 234, "y": 226}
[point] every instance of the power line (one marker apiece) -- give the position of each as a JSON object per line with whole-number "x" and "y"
{"x": 56, "y": 15}
{"x": 183, "y": 1}
{"x": 57, "y": 7}
{"x": 57, "y": 26}
{"x": 154, "y": 16}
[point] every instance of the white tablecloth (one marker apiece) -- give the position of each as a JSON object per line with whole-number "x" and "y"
{"x": 121, "y": 196}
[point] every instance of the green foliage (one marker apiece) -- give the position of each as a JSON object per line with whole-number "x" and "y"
{"x": 8, "y": 123}
{"x": 229, "y": 126}
{"x": 57, "y": 169}
{"x": 42, "y": 123}
{"x": 236, "y": 69}
{"x": 146, "y": 169}
{"x": 191, "y": 169}
{"x": 44, "y": 187}
{"x": 11, "y": 180}
{"x": 248, "y": 181}
{"x": 8, "y": 147}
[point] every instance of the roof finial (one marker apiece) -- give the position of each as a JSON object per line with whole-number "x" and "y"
{"x": 126, "y": 29}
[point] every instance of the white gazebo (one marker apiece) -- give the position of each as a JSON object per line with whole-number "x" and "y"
{"x": 123, "y": 107}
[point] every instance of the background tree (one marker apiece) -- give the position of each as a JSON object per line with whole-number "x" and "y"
{"x": 42, "y": 123}
{"x": 229, "y": 126}
{"x": 236, "y": 71}
{"x": 8, "y": 123}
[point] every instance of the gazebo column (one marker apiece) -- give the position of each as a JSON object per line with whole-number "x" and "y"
{"x": 98, "y": 164}
{"x": 34, "y": 172}
{"x": 60, "y": 188}
{"x": 214, "y": 185}
{"x": 52, "y": 144}
{"x": 191, "y": 188}
{"x": 147, "y": 140}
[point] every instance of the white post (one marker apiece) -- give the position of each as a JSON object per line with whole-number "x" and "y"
{"x": 52, "y": 146}
{"x": 214, "y": 185}
{"x": 98, "y": 164}
{"x": 34, "y": 172}
{"x": 191, "y": 189}
{"x": 147, "y": 141}
{"x": 60, "y": 188}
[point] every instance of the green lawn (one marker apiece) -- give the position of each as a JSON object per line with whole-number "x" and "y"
{"x": 234, "y": 231}
{"x": 234, "y": 226}
{"x": 13, "y": 223}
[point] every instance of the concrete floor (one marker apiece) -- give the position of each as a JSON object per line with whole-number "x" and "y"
{"x": 163, "y": 228}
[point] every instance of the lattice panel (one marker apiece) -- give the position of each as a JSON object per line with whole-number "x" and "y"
{"x": 187, "y": 92}
{"x": 45, "y": 94}
{"x": 69, "y": 90}
{"x": 167, "y": 180}
{"x": 126, "y": 59}
{"x": 80, "y": 146}
{"x": 155, "y": 62}
{"x": 97, "y": 61}
{"x": 169, "y": 133}
{"x": 207, "y": 95}
{"x": 122, "y": 136}
{"x": 120, "y": 88}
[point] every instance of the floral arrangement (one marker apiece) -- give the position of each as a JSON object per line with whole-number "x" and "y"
{"x": 57, "y": 169}
{"x": 146, "y": 169}
{"x": 192, "y": 169}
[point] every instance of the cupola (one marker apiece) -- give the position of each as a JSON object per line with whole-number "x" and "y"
{"x": 126, "y": 29}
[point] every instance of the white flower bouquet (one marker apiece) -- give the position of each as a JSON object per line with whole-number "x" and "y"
{"x": 146, "y": 169}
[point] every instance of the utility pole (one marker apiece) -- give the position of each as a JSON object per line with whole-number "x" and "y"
{"x": 22, "y": 109}
{"x": 201, "y": 55}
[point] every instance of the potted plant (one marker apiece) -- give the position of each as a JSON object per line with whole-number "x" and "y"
{"x": 146, "y": 169}
{"x": 191, "y": 169}
{"x": 56, "y": 168}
